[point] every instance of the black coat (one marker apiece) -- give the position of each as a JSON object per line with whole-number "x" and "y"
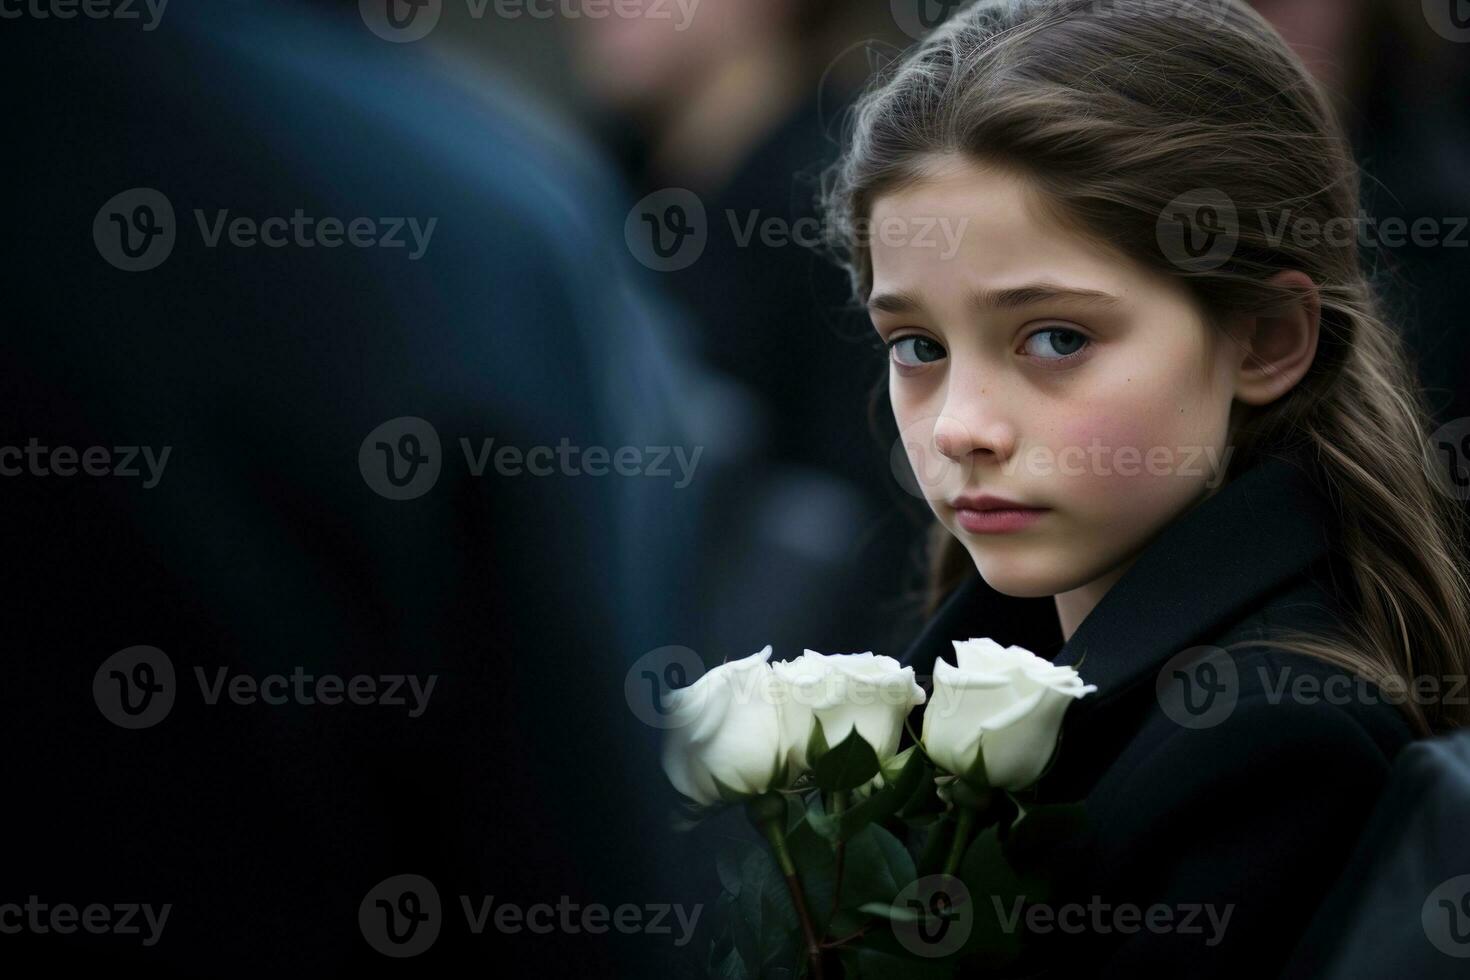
{"x": 1209, "y": 785}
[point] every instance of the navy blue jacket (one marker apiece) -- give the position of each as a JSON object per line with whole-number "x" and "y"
{"x": 263, "y": 548}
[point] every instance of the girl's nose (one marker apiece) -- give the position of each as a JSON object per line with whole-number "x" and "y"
{"x": 963, "y": 438}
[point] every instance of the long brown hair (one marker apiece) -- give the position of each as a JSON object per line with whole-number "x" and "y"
{"x": 1117, "y": 109}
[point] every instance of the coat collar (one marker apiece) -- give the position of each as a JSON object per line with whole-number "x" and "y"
{"x": 1264, "y": 528}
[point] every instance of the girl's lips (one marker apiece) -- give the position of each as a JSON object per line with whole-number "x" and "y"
{"x": 998, "y": 521}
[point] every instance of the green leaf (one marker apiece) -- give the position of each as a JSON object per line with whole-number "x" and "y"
{"x": 891, "y": 912}
{"x": 977, "y": 776}
{"x": 882, "y": 958}
{"x": 764, "y": 923}
{"x": 902, "y": 781}
{"x": 729, "y": 863}
{"x": 816, "y": 742}
{"x": 795, "y": 810}
{"x": 731, "y": 967}
{"x": 876, "y": 867}
{"x": 935, "y": 848}
{"x": 816, "y": 865}
{"x": 723, "y": 943}
{"x": 847, "y": 765}
{"x": 995, "y": 889}
{"x": 893, "y": 766}
{"x": 826, "y": 825}
{"x": 724, "y": 959}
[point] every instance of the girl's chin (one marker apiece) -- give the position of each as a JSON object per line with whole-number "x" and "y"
{"x": 1020, "y": 583}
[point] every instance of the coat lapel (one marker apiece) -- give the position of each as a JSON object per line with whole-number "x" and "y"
{"x": 1204, "y": 571}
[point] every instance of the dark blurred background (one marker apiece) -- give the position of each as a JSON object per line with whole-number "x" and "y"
{"x": 624, "y": 255}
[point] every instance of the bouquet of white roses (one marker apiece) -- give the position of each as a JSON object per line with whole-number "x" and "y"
{"x": 810, "y": 748}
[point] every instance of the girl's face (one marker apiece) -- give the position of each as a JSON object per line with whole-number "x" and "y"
{"x": 1032, "y": 364}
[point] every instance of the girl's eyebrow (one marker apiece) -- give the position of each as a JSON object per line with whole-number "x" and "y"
{"x": 1011, "y": 298}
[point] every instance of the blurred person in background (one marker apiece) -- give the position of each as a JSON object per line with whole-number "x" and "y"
{"x": 276, "y": 371}
{"x": 1400, "y": 80}
{"x": 739, "y": 105}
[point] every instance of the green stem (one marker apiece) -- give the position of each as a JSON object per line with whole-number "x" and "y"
{"x": 839, "y": 804}
{"x": 964, "y": 821}
{"x": 774, "y": 834}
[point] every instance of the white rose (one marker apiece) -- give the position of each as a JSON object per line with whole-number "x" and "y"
{"x": 844, "y": 691}
{"x": 1004, "y": 702}
{"x": 731, "y": 732}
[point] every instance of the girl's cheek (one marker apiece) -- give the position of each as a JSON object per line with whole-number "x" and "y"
{"x": 917, "y": 465}
{"x": 1121, "y": 458}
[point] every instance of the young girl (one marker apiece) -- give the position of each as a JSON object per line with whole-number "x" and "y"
{"x": 1152, "y": 400}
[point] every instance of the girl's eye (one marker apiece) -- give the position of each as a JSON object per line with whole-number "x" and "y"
{"x": 915, "y": 351}
{"x": 1054, "y": 343}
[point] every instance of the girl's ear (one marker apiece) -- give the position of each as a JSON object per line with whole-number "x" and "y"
{"x": 1274, "y": 352}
